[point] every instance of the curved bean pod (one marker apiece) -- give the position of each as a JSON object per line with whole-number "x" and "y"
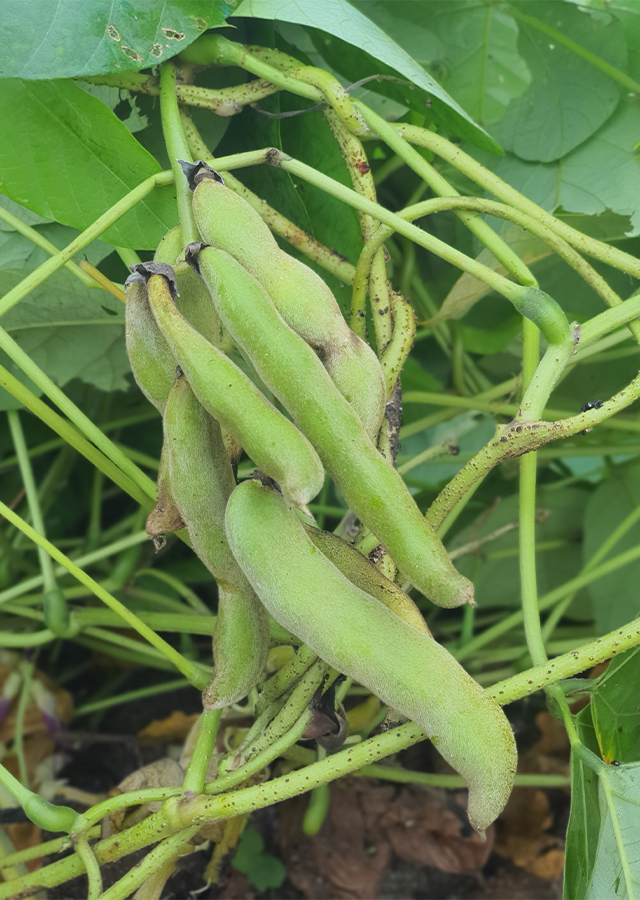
{"x": 201, "y": 482}
{"x": 304, "y": 301}
{"x": 360, "y": 637}
{"x": 365, "y": 575}
{"x": 271, "y": 440}
{"x": 152, "y": 362}
{"x": 290, "y": 368}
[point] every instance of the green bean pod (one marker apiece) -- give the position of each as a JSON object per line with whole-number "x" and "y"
{"x": 201, "y": 479}
{"x": 304, "y": 301}
{"x": 359, "y": 636}
{"x": 290, "y": 368}
{"x": 152, "y": 362}
{"x": 366, "y": 576}
{"x": 271, "y": 440}
{"x": 201, "y": 483}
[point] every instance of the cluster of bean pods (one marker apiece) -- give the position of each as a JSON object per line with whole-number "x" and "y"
{"x": 254, "y": 537}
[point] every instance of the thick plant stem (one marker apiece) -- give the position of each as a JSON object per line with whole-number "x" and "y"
{"x": 177, "y": 148}
{"x": 46, "y": 566}
{"x": 527, "y": 512}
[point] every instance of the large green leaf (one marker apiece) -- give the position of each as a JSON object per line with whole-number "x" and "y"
{"x": 569, "y": 98}
{"x": 354, "y": 30}
{"x": 615, "y": 598}
{"x": 470, "y": 46}
{"x": 70, "y": 38}
{"x": 67, "y": 157}
{"x": 602, "y": 174}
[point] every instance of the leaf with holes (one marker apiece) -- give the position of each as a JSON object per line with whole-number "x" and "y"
{"x": 68, "y": 39}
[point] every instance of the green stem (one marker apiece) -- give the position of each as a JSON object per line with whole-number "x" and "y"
{"x": 561, "y": 38}
{"x": 488, "y": 207}
{"x": 110, "y": 550}
{"x": 127, "y": 696}
{"x": 503, "y": 191}
{"x": 598, "y": 326}
{"x": 168, "y": 848}
{"x": 39, "y": 275}
{"x": 215, "y": 50}
{"x": 41, "y": 241}
{"x": 82, "y": 422}
{"x": 518, "y": 437}
{"x": 528, "y": 300}
{"x": 440, "y": 186}
{"x": 527, "y": 510}
{"x": 31, "y": 491}
{"x": 92, "y": 867}
{"x": 453, "y": 782}
{"x": 26, "y": 672}
{"x": 188, "y": 669}
{"x": 497, "y": 408}
{"x": 318, "y": 806}
{"x": 196, "y": 773}
{"x": 177, "y": 148}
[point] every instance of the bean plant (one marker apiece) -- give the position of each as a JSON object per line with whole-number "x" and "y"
{"x": 280, "y": 308}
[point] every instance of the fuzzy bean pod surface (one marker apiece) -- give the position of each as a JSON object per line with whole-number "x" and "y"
{"x": 201, "y": 483}
{"x": 290, "y": 368}
{"x": 364, "y": 574}
{"x": 152, "y": 362}
{"x": 359, "y": 636}
{"x": 271, "y": 440}
{"x": 304, "y": 301}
